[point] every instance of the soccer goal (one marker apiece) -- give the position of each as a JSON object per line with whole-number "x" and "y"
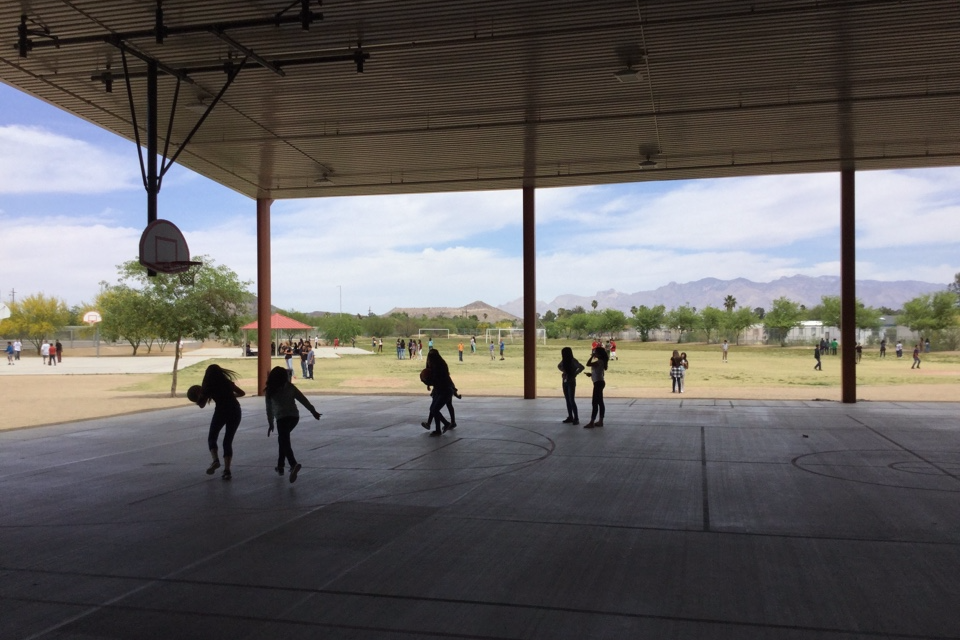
{"x": 511, "y": 335}
{"x": 431, "y": 332}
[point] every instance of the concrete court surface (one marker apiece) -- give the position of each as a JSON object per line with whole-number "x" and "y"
{"x": 679, "y": 519}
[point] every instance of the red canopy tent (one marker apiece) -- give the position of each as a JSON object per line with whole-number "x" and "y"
{"x": 278, "y": 322}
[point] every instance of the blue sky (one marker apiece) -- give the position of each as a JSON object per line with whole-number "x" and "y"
{"x": 72, "y": 207}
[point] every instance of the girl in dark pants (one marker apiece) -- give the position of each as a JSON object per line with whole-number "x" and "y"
{"x": 598, "y": 364}
{"x": 218, "y": 385}
{"x": 437, "y": 375}
{"x": 282, "y": 398}
{"x": 570, "y": 368}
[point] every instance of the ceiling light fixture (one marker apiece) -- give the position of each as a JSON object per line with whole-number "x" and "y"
{"x": 648, "y": 163}
{"x": 199, "y": 106}
{"x": 628, "y": 76}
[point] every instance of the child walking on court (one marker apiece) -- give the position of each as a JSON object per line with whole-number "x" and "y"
{"x": 598, "y": 364}
{"x": 437, "y": 375}
{"x": 282, "y": 397}
{"x": 218, "y": 385}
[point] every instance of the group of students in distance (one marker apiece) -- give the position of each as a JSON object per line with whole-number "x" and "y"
{"x": 219, "y": 386}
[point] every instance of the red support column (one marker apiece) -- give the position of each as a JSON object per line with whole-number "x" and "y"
{"x": 529, "y": 295}
{"x": 263, "y": 292}
{"x": 848, "y": 288}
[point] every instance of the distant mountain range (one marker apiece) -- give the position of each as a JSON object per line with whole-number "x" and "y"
{"x": 711, "y": 292}
{"x": 482, "y": 310}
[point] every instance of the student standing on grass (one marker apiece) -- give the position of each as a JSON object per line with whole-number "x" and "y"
{"x": 916, "y": 357}
{"x": 218, "y": 385}
{"x": 9, "y": 352}
{"x": 282, "y": 397}
{"x": 598, "y": 365}
{"x": 725, "y": 347}
{"x": 570, "y": 368}
{"x": 676, "y": 373}
{"x": 816, "y": 354}
{"x": 460, "y": 350}
{"x": 491, "y": 350}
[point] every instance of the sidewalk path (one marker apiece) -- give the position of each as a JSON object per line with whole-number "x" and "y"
{"x": 34, "y": 366}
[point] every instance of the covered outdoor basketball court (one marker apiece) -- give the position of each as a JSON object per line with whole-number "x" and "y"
{"x": 684, "y": 519}
{"x": 293, "y": 99}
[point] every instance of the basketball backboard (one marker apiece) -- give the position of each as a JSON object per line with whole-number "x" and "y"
{"x": 164, "y": 249}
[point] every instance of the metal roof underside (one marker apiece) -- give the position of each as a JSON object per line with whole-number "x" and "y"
{"x": 497, "y": 94}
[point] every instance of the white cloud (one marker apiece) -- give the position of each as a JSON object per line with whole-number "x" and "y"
{"x": 63, "y": 259}
{"x": 908, "y": 208}
{"x": 397, "y": 221}
{"x": 34, "y": 160}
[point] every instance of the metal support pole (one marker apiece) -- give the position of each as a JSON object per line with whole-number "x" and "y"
{"x": 152, "y": 147}
{"x": 529, "y": 295}
{"x": 848, "y": 288}
{"x": 263, "y": 293}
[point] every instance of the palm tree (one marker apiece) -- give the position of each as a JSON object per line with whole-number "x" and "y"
{"x": 593, "y": 304}
{"x": 729, "y": 303}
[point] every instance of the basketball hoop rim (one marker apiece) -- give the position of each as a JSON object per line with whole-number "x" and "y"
{"x": 174, "y": 266}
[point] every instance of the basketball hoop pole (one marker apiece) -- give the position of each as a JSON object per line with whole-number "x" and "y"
{"x": 151, "y": 181}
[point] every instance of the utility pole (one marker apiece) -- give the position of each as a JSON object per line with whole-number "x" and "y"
{"x": 13, "y": 296}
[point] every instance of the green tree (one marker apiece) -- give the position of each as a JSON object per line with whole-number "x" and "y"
{"x": 646, "y": 319}
{"x": 212, "y": 304}
{"x": 343, "y": 327}
{"x": 711, "y": 319}
{"x": 759, "y": 312}
{"x": 577, "y": 325}
{"x": 35, "y": 318}
{"x": 549, "y": 316}
{"x": 593, "y": 303}
{"x": 379, "y": 326}
{"x": 954, "y": 288}
{"x": 611, "y": 322}
{"x": 737, "y": 322}
{"x": 931, "y": 312}
{"x": 729, "y": 303}
{"x": 684, "y": 318}
{"x": 829, "y": 313}
{"x": 127, "y": 315}
{"x": 783, "y": 315}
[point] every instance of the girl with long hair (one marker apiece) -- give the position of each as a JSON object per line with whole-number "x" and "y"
{"x": 437, "y": 375}
{"x": 218, "y": 385}
{"x": 570, "y": 368}
{"x": 598, "y": 365}
{"x": 676, "y": 372}
{"x": 282, "y": 396}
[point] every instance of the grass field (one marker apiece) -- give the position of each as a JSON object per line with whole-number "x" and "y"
{"x": 768, "y": 372}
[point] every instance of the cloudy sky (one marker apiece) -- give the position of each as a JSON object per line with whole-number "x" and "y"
{"x": 72, "y": 207}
